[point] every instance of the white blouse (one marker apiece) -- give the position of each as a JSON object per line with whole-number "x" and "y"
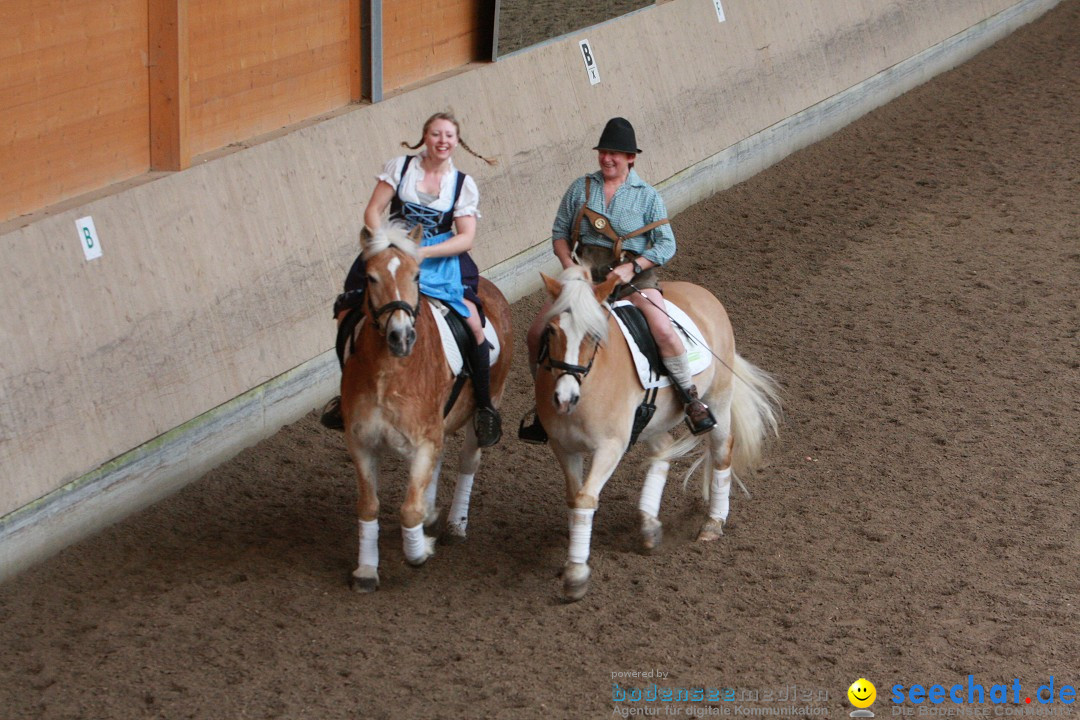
{"x": 467, "y": 200}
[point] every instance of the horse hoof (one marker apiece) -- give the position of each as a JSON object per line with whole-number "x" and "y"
{"x": 454, "y": 535}
{"x": 652, "y": 533}
{"x": 364, "y": 580}
{"x": 711, "y": 530}
{"x": 429, "y": 550}
{"x": 575, "y": 581}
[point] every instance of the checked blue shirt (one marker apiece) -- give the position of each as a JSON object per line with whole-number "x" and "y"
{"x": 634, "y": 205}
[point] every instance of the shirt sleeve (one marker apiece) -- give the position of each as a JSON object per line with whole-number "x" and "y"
{"x": 662, "y": 237}
{"x": 568, "y": 207}
{"x": 468, "y": 200}
{"x": 391, "y": 174}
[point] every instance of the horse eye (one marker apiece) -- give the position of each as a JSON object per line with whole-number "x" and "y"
{"x": 373, "y": 279}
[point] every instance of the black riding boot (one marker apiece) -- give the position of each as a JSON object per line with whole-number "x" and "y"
{"x": 348, "y": 300}
{"x": 486, "y": 421}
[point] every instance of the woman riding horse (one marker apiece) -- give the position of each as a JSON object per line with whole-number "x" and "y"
{"x": 616, "y": 223}
{"x": 426, "y": 190}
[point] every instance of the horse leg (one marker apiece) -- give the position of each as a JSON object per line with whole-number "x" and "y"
{"x": 418, "y": 546}
{"x": 431, "y": 517}
{"x": 573, "y": 467}
{"x": 717, "y": 489}
{"x": 366, "y": 576}
{"x": 582, "y": 507}
{"x": 468, "y": 464}
{"x": 652, "y": 531}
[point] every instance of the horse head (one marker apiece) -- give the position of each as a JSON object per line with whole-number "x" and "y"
{"x": 577, "y": 326}
{"x": 393, "y": 285}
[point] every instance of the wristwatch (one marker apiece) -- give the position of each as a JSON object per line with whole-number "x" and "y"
{"x": 637, "y": 268}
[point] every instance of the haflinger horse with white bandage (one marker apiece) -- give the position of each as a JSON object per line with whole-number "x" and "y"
{"x": 589, "y": 392}
{"x": 398, "y": 392}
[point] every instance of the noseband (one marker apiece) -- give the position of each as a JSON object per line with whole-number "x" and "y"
{"x": 389, "y": 308}
{"x": 578, "y": 372}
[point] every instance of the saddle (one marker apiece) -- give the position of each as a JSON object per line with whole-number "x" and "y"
{"x": 646, "y": 355}
{"x": 632, "y": 320}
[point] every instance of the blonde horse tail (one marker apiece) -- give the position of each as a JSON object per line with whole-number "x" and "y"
{"x": 756, "y": 411}
{"x": 680, "y": 448}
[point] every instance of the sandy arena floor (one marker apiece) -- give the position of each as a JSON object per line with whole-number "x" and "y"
{"x": 913, "y": 281}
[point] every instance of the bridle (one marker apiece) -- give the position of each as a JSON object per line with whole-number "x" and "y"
{"x": 390, "y": 308}
{"x": 578, "y": 372}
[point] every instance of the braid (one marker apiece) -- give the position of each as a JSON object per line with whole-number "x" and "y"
{"x": 489, "y": 161}
{"x": 449, "y": 117}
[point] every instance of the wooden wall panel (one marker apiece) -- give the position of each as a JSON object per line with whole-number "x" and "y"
{"x": 257, "y": 65}
{"x": 73, "y": 99}
{"x": 422, "y": 38}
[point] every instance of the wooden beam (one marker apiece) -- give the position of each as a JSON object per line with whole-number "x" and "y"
{"x": 356, "y": 49}
{"x": 170, "y": 96}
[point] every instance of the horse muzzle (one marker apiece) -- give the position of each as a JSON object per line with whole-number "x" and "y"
{"x": 401, "y": 340}
{"x": 567, "y": 394}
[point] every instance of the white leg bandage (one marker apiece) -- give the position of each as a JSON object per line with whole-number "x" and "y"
{"x": 369, "y": 543}
{"x": 654, "y": 488}
{"x": 719, "y": 494}
{"x": 459, "y": 509}
{"x": 416, "y": 545}
{"x": 580, "y": 534}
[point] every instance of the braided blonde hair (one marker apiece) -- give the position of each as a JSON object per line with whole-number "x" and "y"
{"x": 449, "y": 117}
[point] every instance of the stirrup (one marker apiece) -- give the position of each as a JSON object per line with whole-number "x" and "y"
{"x": 331, "y": 415}
{"x": 699, "y": 417}
{"x": 534, "y": 432}
{"x": 488, "y": 426}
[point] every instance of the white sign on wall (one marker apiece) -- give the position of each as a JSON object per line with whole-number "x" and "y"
{"x": 719, "y": 10}
{"x": 590, "y": 62}
{"x": 88, "y": 237}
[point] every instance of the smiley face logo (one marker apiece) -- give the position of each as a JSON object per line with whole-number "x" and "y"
{"x": 862, "y": 693}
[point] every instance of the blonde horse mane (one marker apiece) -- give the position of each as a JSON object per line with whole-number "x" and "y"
{"x": 577, "y": 298}
{"x": 386, "y": 236}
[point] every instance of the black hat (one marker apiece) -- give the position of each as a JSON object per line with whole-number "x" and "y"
{"x": 618, "y": 135}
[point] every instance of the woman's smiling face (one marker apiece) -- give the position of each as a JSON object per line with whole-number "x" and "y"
{"x": 440, "y": 139}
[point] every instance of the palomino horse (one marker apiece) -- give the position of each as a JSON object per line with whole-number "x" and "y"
{"x": 587, "y": 392}
{"x": 394, "y": 387}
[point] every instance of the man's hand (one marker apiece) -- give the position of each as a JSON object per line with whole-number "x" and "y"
{"x": 624, "y": 272}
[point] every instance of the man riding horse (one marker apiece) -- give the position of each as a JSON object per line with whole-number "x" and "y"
{"x": 616, "y": 223}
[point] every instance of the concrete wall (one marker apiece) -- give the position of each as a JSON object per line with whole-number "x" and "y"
{"x": 206, "y": 324}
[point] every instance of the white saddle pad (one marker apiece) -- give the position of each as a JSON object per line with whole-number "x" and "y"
{"x": 699, "y": 355}
{"x": 450, "y": 347}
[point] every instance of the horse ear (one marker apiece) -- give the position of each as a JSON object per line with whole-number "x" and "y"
{"x": 366, "y": 236}
{"x": 603, "y": 290}
{"x": 417, "y": 234}
{"x": 554, "y": 287}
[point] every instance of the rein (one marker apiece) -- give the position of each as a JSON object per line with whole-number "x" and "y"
{"x": 686, "y": 332}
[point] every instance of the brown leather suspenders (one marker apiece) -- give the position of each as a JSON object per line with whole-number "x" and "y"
{"x": 602, "y": 225}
